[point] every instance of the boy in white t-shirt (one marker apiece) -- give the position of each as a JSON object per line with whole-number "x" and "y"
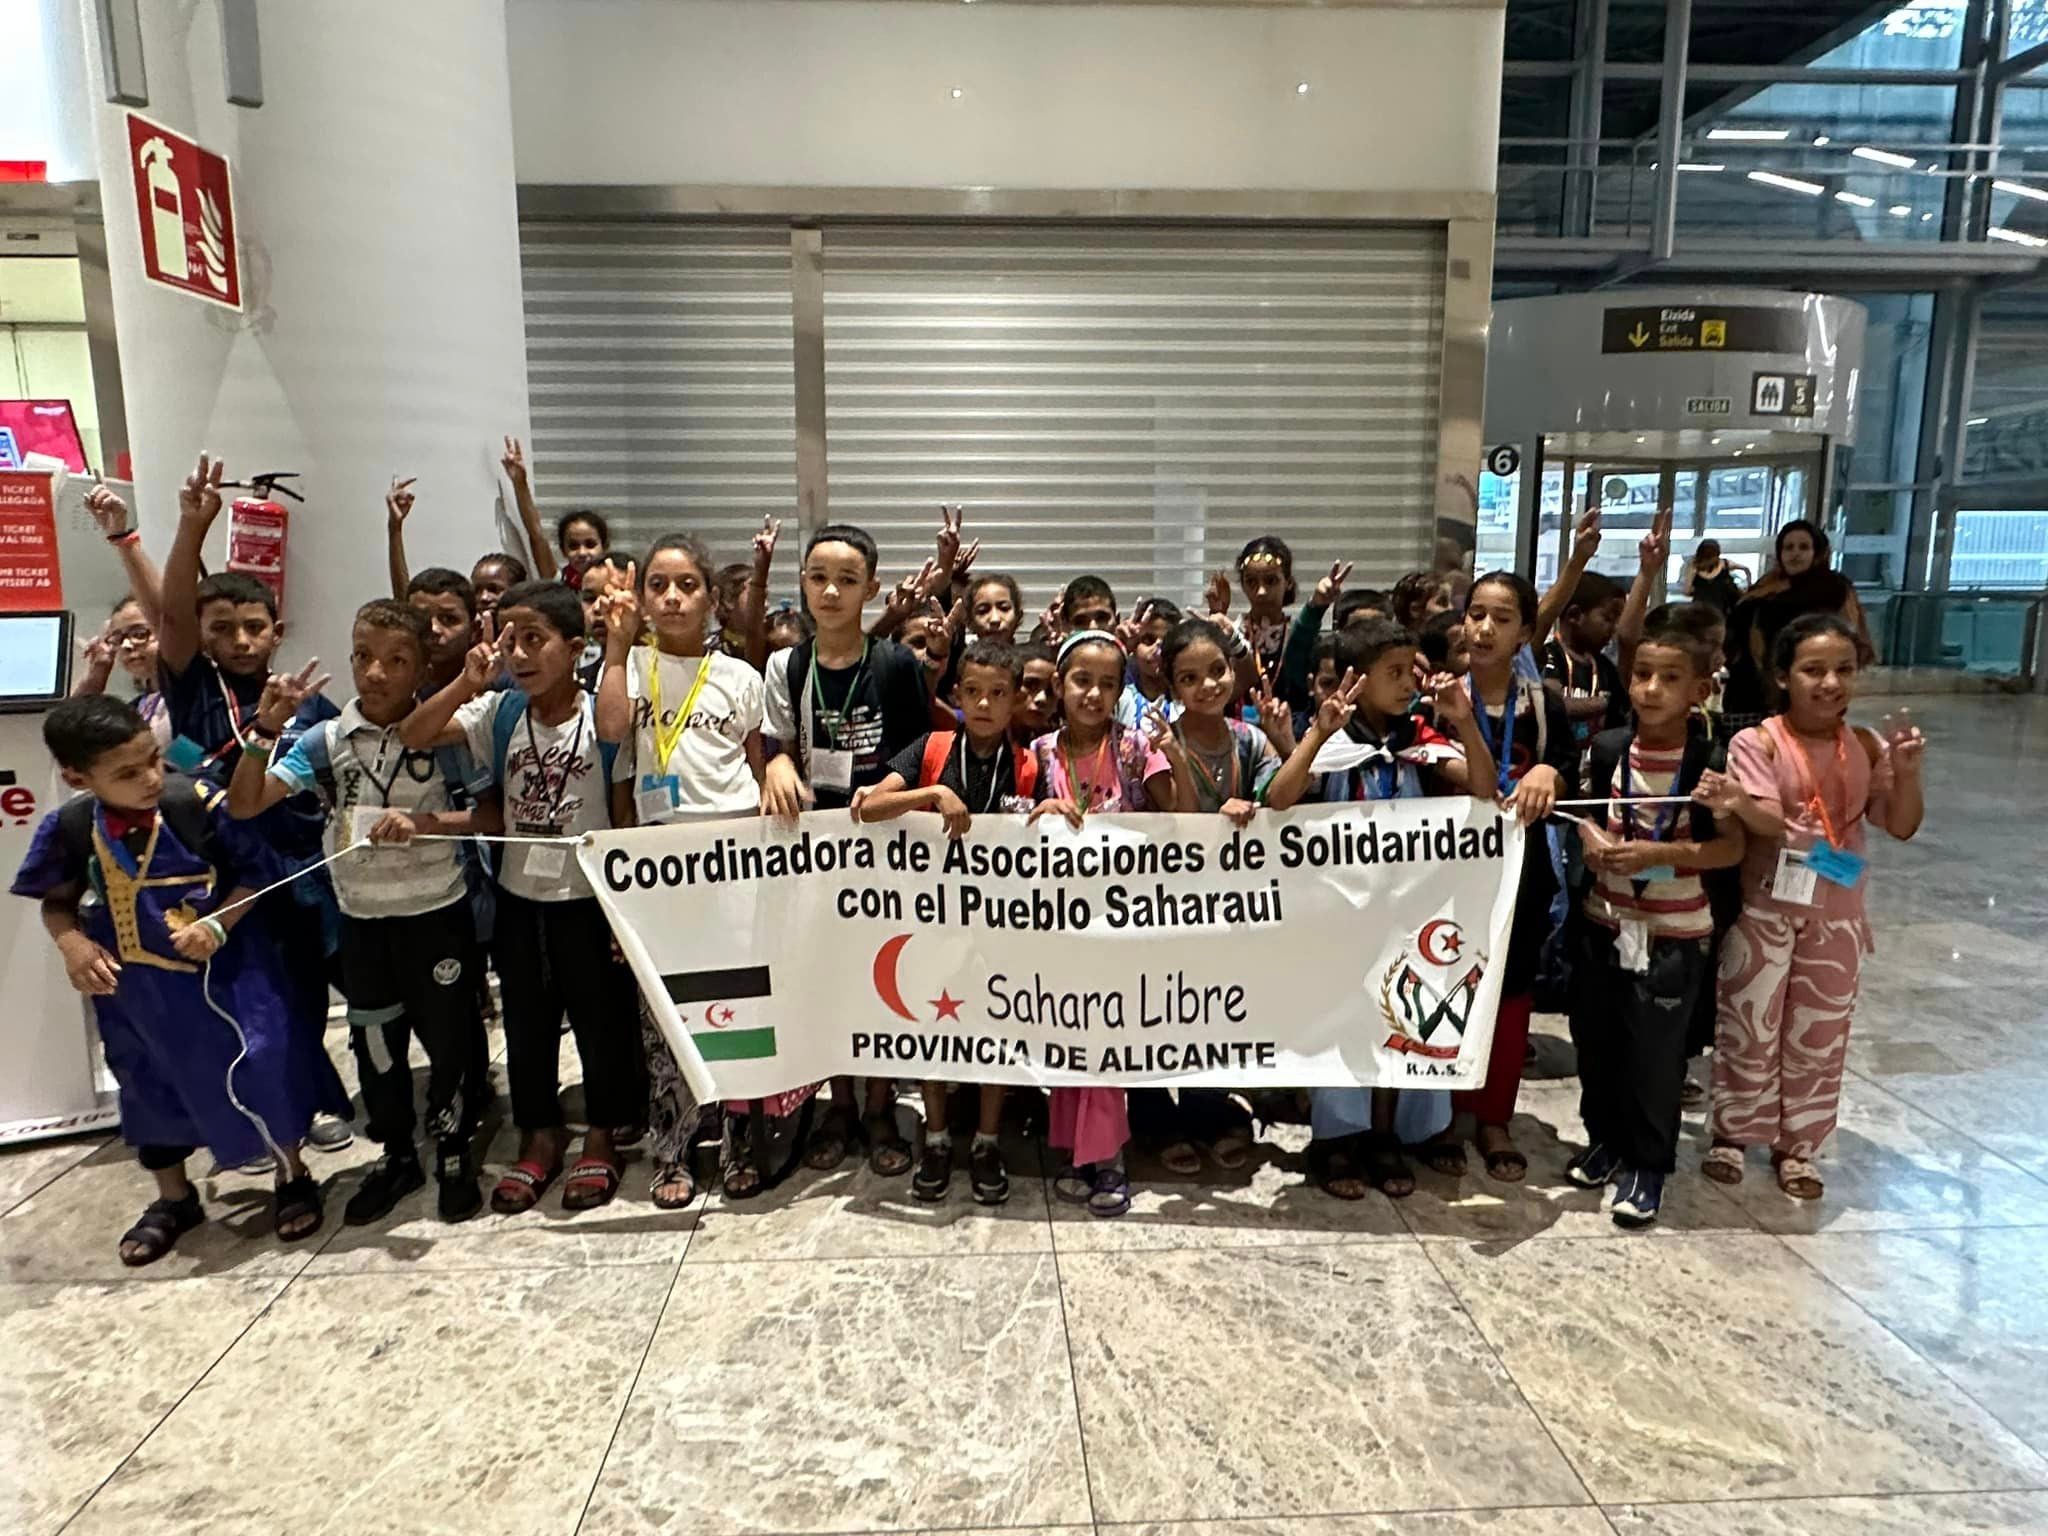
{"x": 537, "y": 745}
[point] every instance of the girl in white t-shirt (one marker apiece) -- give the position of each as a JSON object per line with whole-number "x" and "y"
{"x": 688, "y": 726}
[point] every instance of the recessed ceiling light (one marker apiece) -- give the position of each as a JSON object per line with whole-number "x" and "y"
{"x": 1978, "y": 421}
{"x": 1926, "y": 218}
{"x": 958, "y": 93}
{"x": 1788, "y": 183}
{"x": 1884, "y": 157}
{"x": 1821, "y": 141}
{"x": 1752, "y": 135}
{"x": 1900, "y": 210}
{"x": 1301, "y": 88}
{"x": 1855, "y": 199}
{"x": 1700, "y": 165}
{"x": 2021, "y": 189}
{"x": 2015, "y": 237}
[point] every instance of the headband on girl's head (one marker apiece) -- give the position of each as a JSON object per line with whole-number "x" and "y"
{"x": 1087, "y": 637}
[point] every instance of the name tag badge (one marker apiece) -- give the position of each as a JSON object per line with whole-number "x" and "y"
{"x": 656, "y": 799}
{"x": 1632, "y": 948}
{"x": 185, "y": 755}
{"x": 1015, "y": 805}
{"x": 1661, "y": 872}
{"x": 544, "y": 861}
{"x": 1837, "y": 866}
{"x": 1795, "y": 880}
{"x": 361, "y": 819}
{"x": 831, "y": 770}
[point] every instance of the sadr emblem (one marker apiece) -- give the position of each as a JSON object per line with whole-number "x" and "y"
{"x": 1427, "y": 993}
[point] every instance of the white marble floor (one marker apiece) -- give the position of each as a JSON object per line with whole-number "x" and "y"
{"x": 1236, "y": 1359}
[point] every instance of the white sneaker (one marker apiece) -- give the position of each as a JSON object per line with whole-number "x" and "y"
{"x": 329, "y": 1133}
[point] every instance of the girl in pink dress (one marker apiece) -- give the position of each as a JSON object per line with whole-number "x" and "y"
{"x": 1091, "y": 766}
{"x": 1803, "y": 784}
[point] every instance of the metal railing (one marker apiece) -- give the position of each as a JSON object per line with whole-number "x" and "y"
{"x": 1971, "y": 630}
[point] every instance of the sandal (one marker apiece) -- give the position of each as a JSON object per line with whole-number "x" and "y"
{"x": 1111, "y": 1195}
{"x": 1232, "y": 1150}
{"x": 668, "y": 1177}
{"x": 1444, "y": 1157}
{"x": 1723, "y": 1164}
{"x": 741, "y": 1181}
{"x": 296, "y": 1209}
{"x": 1798, "y": 1178}
{"x": 592, "y": 1182}
{"x": 1072, "y": 1185}
{"x": 1505, "y": 1163}
{"x": 888, "y": 1153}
{"x": 1336, "y": 1171}
{"x": 1181, "y": 1157}
{"x": 521, "y": 1187}
{"x": 831, "y": 1141}
{"x": 159, "y": 1227}
{"x": 1386, "y": 1169}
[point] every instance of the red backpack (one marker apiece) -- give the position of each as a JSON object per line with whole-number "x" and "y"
{"x": 938, "y": 746}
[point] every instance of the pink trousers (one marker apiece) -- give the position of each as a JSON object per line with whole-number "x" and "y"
{"x": 1788, "y": 988}
{"x": 1091, "y": 1124}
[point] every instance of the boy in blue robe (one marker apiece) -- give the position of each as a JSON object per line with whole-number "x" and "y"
{"x": 192, "y": 1006}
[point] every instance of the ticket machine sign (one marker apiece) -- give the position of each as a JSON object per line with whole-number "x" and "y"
{"x": 185, "y": 201}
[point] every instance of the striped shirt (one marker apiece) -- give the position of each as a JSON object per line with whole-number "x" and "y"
{"x": 1673, "y": 907}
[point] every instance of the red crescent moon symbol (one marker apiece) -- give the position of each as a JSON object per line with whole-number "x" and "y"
{"x": 1425, "y": 941}
{"x": 711, "y": 1016}
{"x": 886, "y": 985}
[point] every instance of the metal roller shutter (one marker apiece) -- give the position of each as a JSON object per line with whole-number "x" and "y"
{"x": 1136, "y": 402}
{"x": 659, "y": 363}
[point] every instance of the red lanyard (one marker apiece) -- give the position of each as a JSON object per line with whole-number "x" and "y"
{"x": 1810, "y": 780}
{"x": 1202, "y": 768}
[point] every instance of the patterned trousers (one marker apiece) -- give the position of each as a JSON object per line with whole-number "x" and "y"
{"x": 1788, "y": 988}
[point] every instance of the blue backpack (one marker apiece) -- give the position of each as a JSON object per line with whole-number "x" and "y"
{"x": 510, "y": 713}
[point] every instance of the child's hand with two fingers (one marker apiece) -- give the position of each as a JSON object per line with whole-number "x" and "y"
{"x": 284, "y": 692}
{"x": 1908, "y": 746}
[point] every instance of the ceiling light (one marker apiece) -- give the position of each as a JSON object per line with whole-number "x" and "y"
{"x": 1926, "y": 218}
{"x": 1788, "y": 183}
{"x": 1855, "y": 199}
{"x": 1884, "y": 157}
{"x": 1700, "y": 165}
{"x": 1900, "y": 210}
{"x": 2021, "y": 189}
{"x": 2014, "y": 237}
{"x": 1751, "y": 135}
{"x": 1821, "y": 141}
{"x": 1301, "y": 88}
{"x": 958, "y": 93}
{"x": 1978, "y": 421}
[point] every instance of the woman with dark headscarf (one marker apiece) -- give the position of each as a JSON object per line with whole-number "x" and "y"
{"x": 1799, "y": 582}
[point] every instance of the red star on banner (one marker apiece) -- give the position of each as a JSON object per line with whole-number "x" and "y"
{"x": 948, "y": 1006}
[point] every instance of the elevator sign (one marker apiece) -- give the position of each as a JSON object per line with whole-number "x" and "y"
{"x": 1703, "y": 328}
{"x": 187, "y": 211}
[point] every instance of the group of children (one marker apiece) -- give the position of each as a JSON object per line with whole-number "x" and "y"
{"x": 208, "y": 885}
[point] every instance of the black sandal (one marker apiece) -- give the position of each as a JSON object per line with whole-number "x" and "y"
{"x": 831, "y": 1141}
{"x": 888, "y": 1153}
{"x": 1386, "y": 1169}
{"x": 1332, "y": 1164}
{"x": 160, "y": 1226}
{"x": 293, "y": 1201}
{"x": 1505, "y": 1163}
{"x": 665, "y": 1175}
{"x": 741, "y": 1181}
{"x": 1444, "y": 1156}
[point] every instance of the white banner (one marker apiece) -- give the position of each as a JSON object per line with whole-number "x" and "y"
{"x": 1322, "y": 946}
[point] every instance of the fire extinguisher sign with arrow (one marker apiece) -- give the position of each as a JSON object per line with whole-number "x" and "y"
{"x": 184, "y": 198}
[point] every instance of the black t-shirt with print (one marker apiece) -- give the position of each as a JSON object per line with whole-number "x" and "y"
{"x": 872, "y": 709}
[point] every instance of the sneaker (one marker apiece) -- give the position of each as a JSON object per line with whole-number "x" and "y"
{"x": 390, "y": 1179}
{"x": 460, "y": 1196}
{"x": 990, "y": 1178}
{"x": 1637, "y": 1195}
{"x": 1593, "y": 1168}
{"x": 934, "y": 1174}
{"x": 329, "y": 1133}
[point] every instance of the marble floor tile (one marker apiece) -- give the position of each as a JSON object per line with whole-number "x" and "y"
{"x": 1271, "y": 1200}
{"x": 1973, "y": 1302}
{"x": 87, "y": 1371}
{"x": 1219, "y": 1384}
{"x": 1718, "y": 1366}
{"x": 26, "y": 1168}
{"x": 413, "y": 1237}
{"x": 1543, "y": 1521}
{"x": 436, "y": 1405}
{"x": 850, "y": 1395}
{"x": 1891, "y": 1166}
{"x": 2006, "y": 1112}
{"x": 1962, "y": 1514}
{"x": 1546, "y": 1204}
{"x": 851, "y": 1213}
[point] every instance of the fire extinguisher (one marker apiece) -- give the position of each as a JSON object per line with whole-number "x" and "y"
{"x": 257, "y": 525}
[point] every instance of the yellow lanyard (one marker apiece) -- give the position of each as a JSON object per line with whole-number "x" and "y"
{"x": 668, "y": 738}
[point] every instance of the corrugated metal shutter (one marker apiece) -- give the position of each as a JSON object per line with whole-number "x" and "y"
{"x": 660, "y": 373}
{"x": 1136, "y": 402}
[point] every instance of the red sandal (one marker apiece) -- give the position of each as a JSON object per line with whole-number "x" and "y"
{"x": 522, "y": 1186}
{"x": 592, "y": 1182}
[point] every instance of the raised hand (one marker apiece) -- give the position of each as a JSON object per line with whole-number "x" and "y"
{"x": 1216, "y": 594}
{"x": 199, "y": 498}
{"x": 764, "y": 544}
{"x": 486, "y": 657}
{"x": 620, "y": 609}
{"x": 1907, "y": 745}
{"x": 1655, "y": 546}
{"x": 964, "y": 562}
{"x": 948, "y": 541}
{"x": 1160, "y": 734}
{"x": 284, "y": 692}
{"x": 1453, "y": 703}
{"x": 98, "y": 653}
{"x": 1276, "y": 718}
{"x": 1050, "y": 621}
{"x": 1130, "y": 634}
{"x": 399, "y": 499}
{"x": 1335, "y": 712}
{"x": 1586, "y": 535}
{"x": 512, "y": 461}
{"x": 1330, "y": 586}
{"x": 108, "y": 510}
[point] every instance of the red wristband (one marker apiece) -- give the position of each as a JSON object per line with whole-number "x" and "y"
{"x": 128, "y": 537}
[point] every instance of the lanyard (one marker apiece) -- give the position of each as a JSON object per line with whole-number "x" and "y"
{"x": 995, "y": 773}
{"x": 1202, "y": 768}
{"x": 227, "y": 697}
{"x": 383, "y": 785}
{"x": 831, "y": 732}
{"x": 667, "y": 739}
{"x": 1810, "y": 780}
{"x": 1084, "y": 795}
{"x": 1664, "y": 819}
{"x": 1507, "y": 728}
{"x": 561, "y": 795}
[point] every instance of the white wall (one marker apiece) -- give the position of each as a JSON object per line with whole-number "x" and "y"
{"x": 810, "y": 93}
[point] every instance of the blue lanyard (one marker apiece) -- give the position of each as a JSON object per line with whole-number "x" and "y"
{"x": 1507, "y": 728}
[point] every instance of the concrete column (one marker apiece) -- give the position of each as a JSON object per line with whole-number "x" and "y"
{"x": 382, "y": 328}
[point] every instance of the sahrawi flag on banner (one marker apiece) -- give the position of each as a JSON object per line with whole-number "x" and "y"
{"x": 1322, "y": 946}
